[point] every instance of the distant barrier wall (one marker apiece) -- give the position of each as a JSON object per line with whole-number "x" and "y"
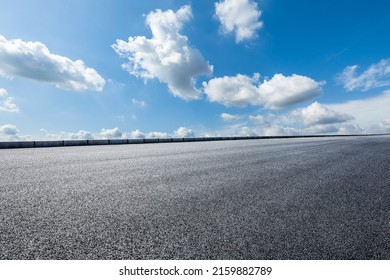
{"x": 63, "y": 143}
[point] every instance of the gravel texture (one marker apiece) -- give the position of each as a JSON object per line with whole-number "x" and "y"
{"x": 326, "y": 198}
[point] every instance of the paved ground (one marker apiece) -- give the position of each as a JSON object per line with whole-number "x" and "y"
{"x": 326, "y": 198}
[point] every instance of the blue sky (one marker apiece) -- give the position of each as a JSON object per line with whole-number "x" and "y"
{"x": 126, "y": 69}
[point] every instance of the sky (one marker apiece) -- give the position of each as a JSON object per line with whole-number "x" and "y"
{"x": 176, "y": 68}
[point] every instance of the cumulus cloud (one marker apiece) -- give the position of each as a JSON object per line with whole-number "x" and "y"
{"x": 157, "y": 134}
{"x": 135, "y": 134}
{"x": 6, "y": 103}
{"x": 241, "y": 17}
{"x": 277, "y": 93}
{"x": 317, "y": 114}
{"x": 63, "y": 135}
{"x": 33, "y": 60}
{"x": 167, "y": 56}
{"x": 281, "y": 91}
{"x": 111, "y": 133}
{"x": 238, "y": 91}
{"x": 9, "y": 132}
{"x": 313, "y": 119}
{"x": 229, "y": 117}
{"x": 377, "y": 75}
{"x": 183, "y": 132}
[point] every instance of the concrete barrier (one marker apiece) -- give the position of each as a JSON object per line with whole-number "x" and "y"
{"x": 75, "y": 142}
{"x": 17, "y": 144}
{"x": 151, "y": 140}
{"x": 117, "y": 141}
{"x": 135, "y": 141}
{"x": 98, "y": 142}
{"x": 46, "y": 144}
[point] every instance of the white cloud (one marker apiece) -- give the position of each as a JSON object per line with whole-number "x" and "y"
{"x": 350, "y": 129}
{"x": 245, "y": 131}
{"x": 236, "y": 91}
{"x": 9, "y": 132}
{"x": 241, "y": 17}
{"x": 167, "y": 56}
{"x": 139, "y": 103}
{"x": 183, "y": 132}
{"x": 157, "y": 134}
{"x": 7, "y": 105}
{"x": 261, "y": 120}
{"x": 135, "y": 134}
{"x": 281, "y": 91}
{"x": 320, "y": 129}
{"x": 317, "y": 114}
{"x": 80, "y": 135}
{"x": 3, "y": 92}
{"x": 114, "y": 133}
{"x": 339, "y": 129}
{"x": 229, "y": 117}
{"x": 277, "y": 93}
{"x": 33, "y": 60}
{"x": 385, "y": 124}
{"x": 279, "y": 130}
{"x": 367, "y": 113}
{"x": 111, "y": 133}
{"x": 311, "y": 120}
{"x": 377, "y": 75}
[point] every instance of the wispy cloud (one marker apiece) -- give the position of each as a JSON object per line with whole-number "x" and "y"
{"x": 6, "y": 102}
{"x": 229, "y": 117}
{"x": 369, "y": 113}
{"x": 139, "y": 103}
{"x": 377, "y": 75}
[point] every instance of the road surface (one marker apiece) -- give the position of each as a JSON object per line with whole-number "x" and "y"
{"x": 306, "y": 198}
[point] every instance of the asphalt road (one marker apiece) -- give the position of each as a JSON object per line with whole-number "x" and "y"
{"x": 322, "y": 198}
